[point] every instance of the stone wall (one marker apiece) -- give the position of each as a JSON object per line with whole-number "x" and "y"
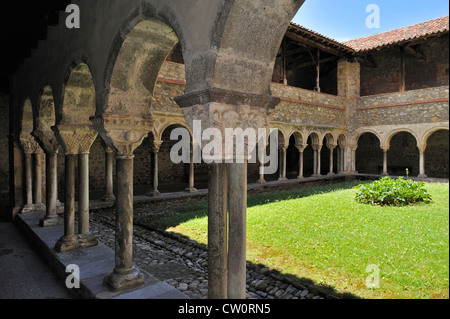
{"x": 304, "y": 107}
{"x": 417, "y": 106}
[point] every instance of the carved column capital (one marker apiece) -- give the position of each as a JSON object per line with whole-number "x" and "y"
{"x": 331, "y": 147}
{"x": 156, "y": 146}
{"x": 301, "y": 147}
{"x": 29, "y": 144}
{"x": 123, "y": 133}
{"x": 75, "y": 139}
{"x": 422, "y": 147}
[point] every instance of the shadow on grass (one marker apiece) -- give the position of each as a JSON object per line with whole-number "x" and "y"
{"x": 179, "y": 214}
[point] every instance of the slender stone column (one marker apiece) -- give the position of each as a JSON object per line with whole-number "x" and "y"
{"x": 261, "y": 168}
{"x": 109, "y": 189}
{"x": 69, "y": 241}
{"x": 51, "y": 181}
{"x": 37, "y": 195}
{"x": 331, "y": 147}
{"x": 353, "y": 160}
{"x": 237, "y": 201}
{"x": 385, "y": 162}
{"x": 28, "y": 184}
{"x": 51, "y": 147}
{"x": 301, "y": 149}
{"x": 191, "y": 188}
{"x": 319, "y": 161}
{"x": 124, "y": 275}
{"x": 317, "y": 148}
{"x": 283, "y": 150}
{"x": 422, "y": 149}
{"x": 85, "y": 238}
{"x": 155, "y": 149}
{"x": 217, "y": 231}
{"x": 123, "y": 133}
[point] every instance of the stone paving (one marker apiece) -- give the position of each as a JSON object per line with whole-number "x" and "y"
{"x": 183, "y": 263}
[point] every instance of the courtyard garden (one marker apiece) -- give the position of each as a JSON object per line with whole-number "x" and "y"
{"x": 323, "y": 234}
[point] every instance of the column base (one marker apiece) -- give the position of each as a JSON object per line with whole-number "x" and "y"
{"x": 27, "y": 209}
{"x": 109, "y": 198}
{"x": 300, "y": 177}
{"x": 124, "y": 280}
{"x": 331, "y": 174}
{"x": 87, "y": 240}
{"x": 39, "y": 207}
{"x": 422, "y": 176}
{"x": 317, "y": 176}
{"x": 261, "y": 181}
{"x": 283, "y": 179}
{"x": 190, "y": 190}
{"x": 153, "y": 194}
{"x": 51, "y": 221}
{"x": 67, "y": 243}
{"x": 384, "y": 175}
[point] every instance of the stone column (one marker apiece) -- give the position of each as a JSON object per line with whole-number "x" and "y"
{"x": 331, "y": 147}
{"x": 123, "y": 134}
{"x": 261, "y": 157}
{"x": 109, "y": 165}
{"x": 317, "y": 148}
{"x": 422, "y": 149}
{"x": 283, "y": 151}
{"x": 353, "y": 160}
{"x": 69, "y": 240}
{"x": 51, "y": 147}
{"x": 85, "y": 238}
{"x": 301, "y": 149}
{"x": 224, "y": 109}
{"x": 155, "y": 149}
{"x": 237, "y": 202}
{"x": 191, "y": 188}
{"x": 385, "y": 162}
{"x": 76, "y": 140}
{"x": 37, "y": 195}
{"x": 217, "y": 231}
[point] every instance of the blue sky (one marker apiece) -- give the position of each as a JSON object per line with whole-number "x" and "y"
{"x": 345, "y": 20}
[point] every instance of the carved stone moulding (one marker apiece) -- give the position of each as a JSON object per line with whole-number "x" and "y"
{"x": 122, "y": 133}
{"x": 29, "y": 144}
{"x": 75, "y": 139}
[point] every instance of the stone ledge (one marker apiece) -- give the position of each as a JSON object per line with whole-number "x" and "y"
{"x": 94, "y": 262}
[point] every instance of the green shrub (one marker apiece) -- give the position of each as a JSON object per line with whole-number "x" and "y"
{"x": 392, "y": 192}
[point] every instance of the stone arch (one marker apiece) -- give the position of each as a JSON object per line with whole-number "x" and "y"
{"x": 78, "y": 100}
{"x": 403, "y": 153}
{"x": 165, "y": 123}
{"x": 387, "y": 141}
{"x": 299, "y": 138}
{"x": 365, "y": 131}
{"x": 369, "y": 155}
{"x": 27, "y": 119}
{"x": 428, "y": 133}
{"x": 135, "y": 65}
{"x": 316, "y": 138}
{"x": 46, "y": 115}
{"x": 328, "y": 155}
{"x": 437, "y": 153}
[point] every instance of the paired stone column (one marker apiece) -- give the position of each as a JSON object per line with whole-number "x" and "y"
{"x": 191, "y": 188}
{"x": 155, "y": 151}
{"x": 317, "y": 161}
{"x": 301, "y": 149}
{"x": 109, "y": 165}
{"x": 353, "y": 160}
{"x": 76, "y": 140}
{"x": 262, "y": 154}
{"x": 283, "y": 159}
{"x": 422, "y": 149}
{"x": 51, "y": 146}
{"x": 123, "y": 133}
{"x": 29, "y": 146}
{"x": 223, "y": 109}
{"x": 385, "y": 161}
{"x": 331, "y": 148}
{"x": 37, "y": 189}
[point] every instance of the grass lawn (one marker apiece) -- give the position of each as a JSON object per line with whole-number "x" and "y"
{"x": 324, "y": 235}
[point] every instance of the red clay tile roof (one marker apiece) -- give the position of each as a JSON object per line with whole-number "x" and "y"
{"x": 406, "y": 34}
